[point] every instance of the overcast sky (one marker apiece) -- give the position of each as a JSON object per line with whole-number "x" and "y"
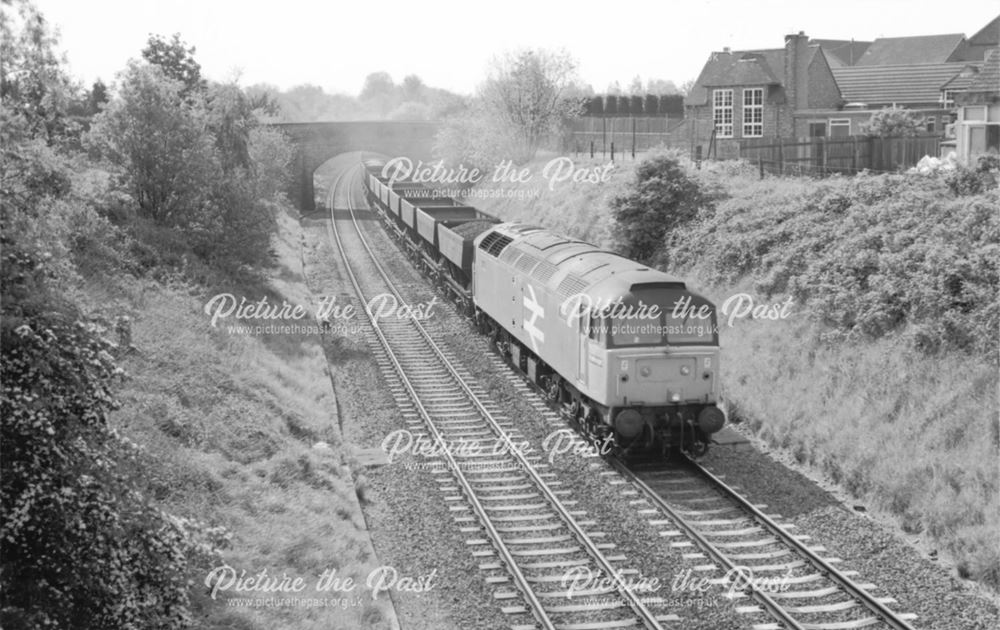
{"x": 335, "y": 43}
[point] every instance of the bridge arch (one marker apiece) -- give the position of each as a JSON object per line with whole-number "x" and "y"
{"x": 317, "y": 142}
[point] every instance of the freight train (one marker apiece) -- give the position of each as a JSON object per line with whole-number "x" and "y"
{"x": 626, "y": 352}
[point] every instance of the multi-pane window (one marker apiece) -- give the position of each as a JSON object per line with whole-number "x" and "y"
{"x": 753, "y": 112}
{"x": 948, "y": 98}
{"x": 840, "y": 127}
{"x": 931, "y": 122}
{"x": 722, "y": 112}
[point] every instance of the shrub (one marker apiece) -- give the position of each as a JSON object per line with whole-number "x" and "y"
{"x": 965, "y": 180}
{"x": 868, "y": 256}
{"x": 662, "y": 199}
{"x": 81, "y": 547}
{"x": 893, "y": 122}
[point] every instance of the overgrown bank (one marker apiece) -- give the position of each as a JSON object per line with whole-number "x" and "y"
{"x": 884, "y": 375}
{"x": 147, "y": 455}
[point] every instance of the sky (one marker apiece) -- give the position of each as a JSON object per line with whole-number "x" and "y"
{"x": 335, "y": 44}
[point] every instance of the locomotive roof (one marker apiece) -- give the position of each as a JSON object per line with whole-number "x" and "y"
{"x": 570, "y": 266}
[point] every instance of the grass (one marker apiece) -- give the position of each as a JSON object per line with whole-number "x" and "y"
{"x": 229, "y": 425}
{"x": 913, "y": 433}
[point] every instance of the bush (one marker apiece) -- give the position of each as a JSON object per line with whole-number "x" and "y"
{"x": 868, "y": 256}
{"x": 81, "y": 547}
{"x": 662, "y": 199}
{"x": 965, "y": 180}
{"x": 893, "y": 122}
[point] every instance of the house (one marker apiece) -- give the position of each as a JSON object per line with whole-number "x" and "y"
{"x": 762, "y": 93}
{"x": 977, "y": 129}
{"x": 828, "y": 87}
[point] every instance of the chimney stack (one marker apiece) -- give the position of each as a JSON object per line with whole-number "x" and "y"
{"x": 794, "y": 80}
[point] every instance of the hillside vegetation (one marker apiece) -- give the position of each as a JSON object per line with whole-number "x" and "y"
{"x": 141, "y": 446}
{"x": 884, "y": 375}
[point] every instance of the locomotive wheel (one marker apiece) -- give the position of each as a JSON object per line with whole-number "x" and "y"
{"x": 552, "y": 388}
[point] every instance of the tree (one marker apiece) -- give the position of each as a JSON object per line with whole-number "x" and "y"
{"x": 635, "y": 107}
{"x": 894, "y": 122}
{"x": 413, "y": 88}
{"x": 411, "y": 110}
{"x": 377, "y": 84}
{"x": 611, "y": 104}
{"x": 663, "y": 197}
{"x": 635, "y": 87}
{"x": 162, "y": 143}
{"x": 652, "y": 105}
{"x": 527, "y": 92}
{"x": 379, "y": 93}
{"x": 34, "y": 87}
{"x": 661, "y": 86}
{"x": 97, "y": 97}
{"x": 176, "y": 60}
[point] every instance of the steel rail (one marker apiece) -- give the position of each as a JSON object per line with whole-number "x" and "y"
{"x": 641, "y": 611}
{"x": 522, "y": 583}
{"x": 881, "y": 611}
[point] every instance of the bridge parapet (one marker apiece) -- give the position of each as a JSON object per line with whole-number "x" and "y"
{"x": 317, "y": 142}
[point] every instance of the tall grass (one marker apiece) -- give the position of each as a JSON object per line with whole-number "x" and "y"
{"x": 229, "y": 425}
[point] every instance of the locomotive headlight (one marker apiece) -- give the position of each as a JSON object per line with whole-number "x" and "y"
{"x": 645, "y": 371}
{"x": 685, "y": 370}
{"x": 675, "y": 398}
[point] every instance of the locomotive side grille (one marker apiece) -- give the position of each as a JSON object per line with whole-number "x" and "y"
{"x": 525, "y": 263}
{"x": 544, "y": 271}
{"x": 510, "y": 255}
{"x": 494, "y": 243}
{"x": 570, "y": 286}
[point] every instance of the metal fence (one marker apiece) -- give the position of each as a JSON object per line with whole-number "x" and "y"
{"x": 618, "y": 136}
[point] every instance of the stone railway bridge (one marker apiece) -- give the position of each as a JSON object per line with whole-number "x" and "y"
{"x": 317, "y": 142}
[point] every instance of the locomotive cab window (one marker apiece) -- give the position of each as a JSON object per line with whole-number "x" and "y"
{"x": 596, "y": 328}
{"x": 679, "y": 318}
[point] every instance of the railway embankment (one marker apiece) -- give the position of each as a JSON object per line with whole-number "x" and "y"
{"x": 880, "y": 378}
{"x": 238, "y": 426}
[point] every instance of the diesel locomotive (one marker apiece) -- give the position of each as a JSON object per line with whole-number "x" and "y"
{"x": 626, "y": 351}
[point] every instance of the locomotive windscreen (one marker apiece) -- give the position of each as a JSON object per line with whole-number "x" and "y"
{"x": 661, "y": 316}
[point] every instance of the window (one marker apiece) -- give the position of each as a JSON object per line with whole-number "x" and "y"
{"x": 722, "y": 112}
{"x": 753, "y": 112}
{"x": 817, "y": 129}
{"x": 840, "y": 127}
{"x": 931, "y": 123}
{"x": 948, "y": 98}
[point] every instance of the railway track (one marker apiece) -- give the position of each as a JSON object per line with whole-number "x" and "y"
{"x": 783, "y": 576}
{"x": 527, "y": 535}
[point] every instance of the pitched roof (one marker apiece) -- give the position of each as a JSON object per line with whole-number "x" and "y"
{"x": 964, "y": 78}
{"x": 900, "y": 84}
{"x": 988, "y": 79}
{"x": 989, "y": 35}
{"x": 841, "y": 52}
{"x": 887, "y": 51}
{"x": 744, "y": 67}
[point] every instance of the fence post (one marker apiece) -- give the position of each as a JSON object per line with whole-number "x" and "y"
{"x": 633, "y": 138}
{"x": 604, "y": 137}
{"x": 591, "y": 149}
{"x": 854, "y": 154}
{"x": 612, "y": 150}
{"x": 781, "y": 157}
{"x": 697, "y": 157}
{"x": 823, "y": 143}
{"x": 760, "y": 165}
